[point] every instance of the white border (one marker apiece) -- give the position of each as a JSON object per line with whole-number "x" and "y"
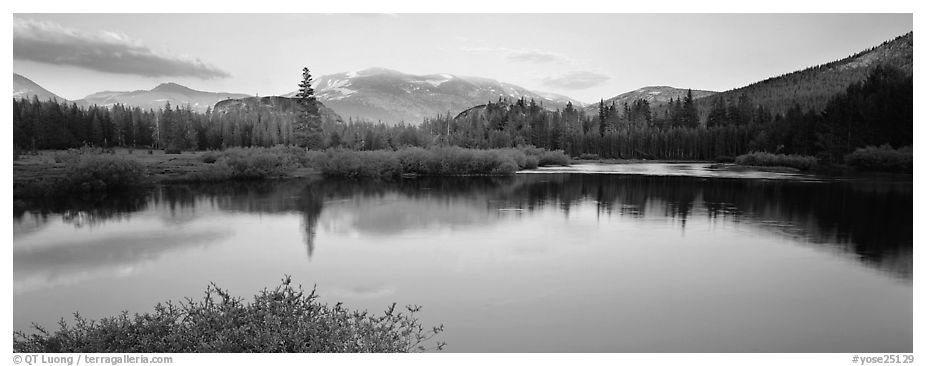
{"x": 477, "y": 6}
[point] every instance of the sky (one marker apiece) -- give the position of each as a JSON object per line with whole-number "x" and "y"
{"x": 583, "y": 56}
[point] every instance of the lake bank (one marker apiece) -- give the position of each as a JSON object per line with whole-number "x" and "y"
{"x": 53, "y": 172}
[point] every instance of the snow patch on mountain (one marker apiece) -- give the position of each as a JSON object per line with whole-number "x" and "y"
{"x": 342, "y": 93}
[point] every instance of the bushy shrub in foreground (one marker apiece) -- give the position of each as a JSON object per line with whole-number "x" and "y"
{"x": 103, "y": 172}
{"x": 284, "y": 319}
{"x": 779, "y": 160}
{"x": 882, "y": 159}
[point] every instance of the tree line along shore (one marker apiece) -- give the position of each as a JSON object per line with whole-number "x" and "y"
{"x": 870, "y": 117}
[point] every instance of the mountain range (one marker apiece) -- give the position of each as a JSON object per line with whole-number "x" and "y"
{"x": 390, "y": 96}
{"x": 373, "y": 94}
{"x": 175, "y": 94}
{"x": 378, "y": 94}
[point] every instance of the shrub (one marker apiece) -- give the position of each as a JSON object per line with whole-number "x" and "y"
{"x": 284, "y": 319}
{"x": 433, "y": 161}
{"x": 587, "y": 156}
{"x": 557, "y": 157}
{"x": 361, "y": 164}
{"x": 519, "y": 156}
{"x": 531, "y": 150}
{"x": 414, "y": 160}
{"x": 505, "y": 167}
{"x": 210, "y": 157}
{"x": 883, "y": 158}
{"x": 172, "y": 151}
{"x": 780, "y": 160}
{"x": 532, "y": 162}
{"x": 103, "y": 172}
{"x": 250, "y": 163}
{"x": 291, "y": 156}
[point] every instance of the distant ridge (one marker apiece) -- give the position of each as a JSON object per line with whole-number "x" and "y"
{"x": 157, "y": 97}
{"x": 23, "y": 87}
{"x": 812, "y": 87}
{"x": 655, "y": 95}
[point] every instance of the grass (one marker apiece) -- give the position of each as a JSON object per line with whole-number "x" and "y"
{"x": 883, "y": 158}
{"x": 283, "y": 319}
{"x": 799, "y": 162}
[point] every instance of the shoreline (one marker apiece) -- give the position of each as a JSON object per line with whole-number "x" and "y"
{"x": 43, "y": 173}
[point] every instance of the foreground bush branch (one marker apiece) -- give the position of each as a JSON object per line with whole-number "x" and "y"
{"x": 284, "y": 319}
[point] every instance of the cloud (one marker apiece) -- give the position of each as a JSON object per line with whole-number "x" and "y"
{"x": 103, "y": 51}
{"x": 580, "y": 79}
{"x": 522, "y": 55}
{"x": 538, "y": 57}
{"x": 374, "y": 15}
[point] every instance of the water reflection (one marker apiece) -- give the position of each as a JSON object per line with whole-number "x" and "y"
{"x": 539, "y": 262}
{"x": 870, "y": 221}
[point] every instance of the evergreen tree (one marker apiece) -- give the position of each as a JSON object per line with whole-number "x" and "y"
{"x": 718, "y": 114}
{"x": 602, "y": 118}
{"x": 690, "y": 116}
{"x": 307, "y": 130}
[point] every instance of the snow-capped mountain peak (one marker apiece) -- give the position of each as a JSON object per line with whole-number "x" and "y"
{"x": 379, "y": 94}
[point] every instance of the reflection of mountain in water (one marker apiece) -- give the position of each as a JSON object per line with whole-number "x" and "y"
{"x": 871, "y": 221}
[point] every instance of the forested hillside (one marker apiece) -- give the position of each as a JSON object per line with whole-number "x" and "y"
{"x": 813, "y": 87}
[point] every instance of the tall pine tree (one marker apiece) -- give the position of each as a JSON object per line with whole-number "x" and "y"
{"x": 307, "y": 129}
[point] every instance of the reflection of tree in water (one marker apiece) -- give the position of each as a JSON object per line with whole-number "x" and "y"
{"x": 271, "y": 197}
{"x": 310, "y": 205}
{"x": 88, "y": 210}
{"x": 871, "y": 220}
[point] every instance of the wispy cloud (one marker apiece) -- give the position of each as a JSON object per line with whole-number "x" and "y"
{"x": 522, "y": 55}
{"x": 373, "y": 15}
{"x": 538, "y": 57}
{"x": 110, "y": 52}
{"x": 575, "y": 80}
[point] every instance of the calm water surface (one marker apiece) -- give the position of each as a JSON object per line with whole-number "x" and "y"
{"x": 669, "y": 258}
